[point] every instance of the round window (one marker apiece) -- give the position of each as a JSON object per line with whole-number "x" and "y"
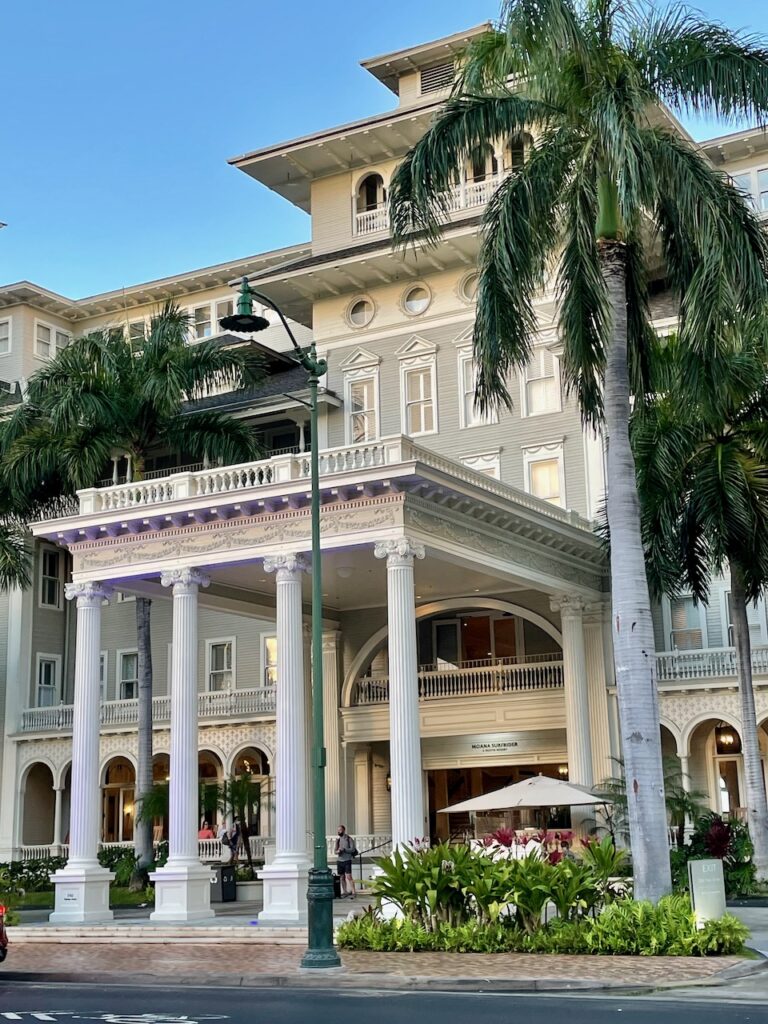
{"x": 469, "y": 287}
{"x": 360, "y": 312}
{"x": 416, "y": 299}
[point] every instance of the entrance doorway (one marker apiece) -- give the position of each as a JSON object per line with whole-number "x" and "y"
{"x": 117, "y": 806}
{"x": 453, "y": 785}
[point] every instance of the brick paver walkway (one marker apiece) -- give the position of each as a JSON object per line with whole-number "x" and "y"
{"x": 238, "y": 963}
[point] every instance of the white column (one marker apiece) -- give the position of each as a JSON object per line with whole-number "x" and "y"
{"x": 285, "y": 879}
{"x": 571, "y": 610}
{"x": 58, "y": 795}
{"x": 333, "y": 772}
{"x": 363, "y": 822}
{"x": 82, "y": 885}
{"x": 404, "y": 734}
{"x": 603, "y": 766}
{"x": 183, "y": 885}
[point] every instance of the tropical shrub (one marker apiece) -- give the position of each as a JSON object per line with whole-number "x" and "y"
{"x": 725, "y": 839}
{"x": 33, "y": 875}
{"x": 10, "y": 893}
{"x": 624, "y": 928}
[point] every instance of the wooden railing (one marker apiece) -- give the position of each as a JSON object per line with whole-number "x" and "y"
{"x": 470, "y": 679}
{"x": 218, "y": 704}
{"x": 467, "y": 195}
{"x": 708, "y": 663}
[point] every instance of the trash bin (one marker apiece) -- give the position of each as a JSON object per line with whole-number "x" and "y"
{"x": 223, "y": 884}
{"x": 336, "y": 886}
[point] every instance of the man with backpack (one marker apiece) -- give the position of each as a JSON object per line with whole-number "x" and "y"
{"x": 345, "y": 851}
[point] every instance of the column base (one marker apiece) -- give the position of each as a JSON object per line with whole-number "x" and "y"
{"x": 182, "y": 893}
{"x": 285, "y": 893}
{"x": 82, "y": 895}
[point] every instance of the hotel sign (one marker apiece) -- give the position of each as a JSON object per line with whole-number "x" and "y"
{"x": 494, "y": 747}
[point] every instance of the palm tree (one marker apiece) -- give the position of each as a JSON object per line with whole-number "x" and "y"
{"x": 701, "y": 448}
{"x": 104, "y": 397}
{"x": 608, "y": 181}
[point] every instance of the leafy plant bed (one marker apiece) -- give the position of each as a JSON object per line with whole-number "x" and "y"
{"x": 624, "y": 928}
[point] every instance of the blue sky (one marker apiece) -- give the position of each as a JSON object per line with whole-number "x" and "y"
{"x": 118, "y": 119}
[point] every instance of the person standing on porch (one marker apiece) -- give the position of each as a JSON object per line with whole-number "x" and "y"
{"x": 345, "y": 851}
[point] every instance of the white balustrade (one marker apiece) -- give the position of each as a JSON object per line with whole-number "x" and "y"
{"x": 219, "y": 704}
{"x": 283, "y": 469}
{"x": 708, "y": 663}
{"x": 470, "y": 679}
{"x": 368, "y": 221}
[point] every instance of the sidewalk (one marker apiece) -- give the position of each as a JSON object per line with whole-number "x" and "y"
{"x": 233, "y": 950}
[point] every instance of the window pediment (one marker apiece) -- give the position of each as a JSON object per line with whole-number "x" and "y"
{"x": 416, "y": 347}
{"x": 360, "y": 359}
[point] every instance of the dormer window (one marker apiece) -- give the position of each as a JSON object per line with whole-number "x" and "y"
{"x": 438, "y": 77}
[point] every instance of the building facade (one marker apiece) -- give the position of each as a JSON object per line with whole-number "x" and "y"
{"x": 466, "y": 642}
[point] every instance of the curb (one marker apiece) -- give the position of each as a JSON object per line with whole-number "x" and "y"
{"x": 340, "y": 979}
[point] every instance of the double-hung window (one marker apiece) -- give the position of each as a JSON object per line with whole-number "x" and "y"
{"x": 220, "y": 664}
{"x": 419, "y": 401}
{"x": 47, "y": 679}
{"x": 541, "y": 384}
{"x": 362, "y": 410}
{"x": 201, "y": 321}
{"x": 545, "y": 472}
{"x": 49, "y": 340}
{"x": 470, "y": 414}
{"x": 50, "y": 578}
{"x": 5, "y": 337}
{"x": 270, "y": 661}
{"x": 685, "y": 618}
{"x": 129, "y": 674}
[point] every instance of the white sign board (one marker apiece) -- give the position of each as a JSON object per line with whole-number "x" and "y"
{"x": 707, "y": 889}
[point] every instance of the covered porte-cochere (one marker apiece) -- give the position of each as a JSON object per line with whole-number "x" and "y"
{"x": 456, "y": 609}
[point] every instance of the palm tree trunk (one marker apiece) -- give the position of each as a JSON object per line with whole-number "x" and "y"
{"x": 631, "y": 623}
{"x": 757, "y": 806}
{"x": 143, "y": 833}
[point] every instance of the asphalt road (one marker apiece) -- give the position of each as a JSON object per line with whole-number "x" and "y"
{"x": 100, "y": 1004}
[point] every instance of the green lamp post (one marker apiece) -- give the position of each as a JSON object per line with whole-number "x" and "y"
{"x": 320, "y": 949}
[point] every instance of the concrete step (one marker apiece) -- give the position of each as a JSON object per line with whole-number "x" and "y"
{"x": 146, "y": 931}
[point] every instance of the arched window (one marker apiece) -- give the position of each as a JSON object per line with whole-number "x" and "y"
{"x": 482, "y": 165}
{"x": 371, "y": 194}
{"x": 516, "y": 151}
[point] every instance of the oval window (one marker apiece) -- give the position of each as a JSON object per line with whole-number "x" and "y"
{"x": 469, "y": 287}
{"x": 360, "y": 312}
{"x": 416, "y": 299}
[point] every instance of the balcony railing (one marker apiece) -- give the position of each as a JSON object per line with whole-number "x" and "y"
{"x": 465, "y": 196}
{"x": 471, "y": 679}
{"x": 709, "y": 663}
{"x": 284, "y": 469}
{"x": 223, "y": 704}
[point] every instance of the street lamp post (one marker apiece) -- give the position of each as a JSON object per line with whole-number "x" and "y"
{"x": 320, "y": 952}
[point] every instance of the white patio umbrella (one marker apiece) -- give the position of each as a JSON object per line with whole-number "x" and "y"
{"x": 538, "y": 791}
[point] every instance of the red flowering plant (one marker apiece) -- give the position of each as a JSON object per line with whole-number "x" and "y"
{"x": 503, "y": 836}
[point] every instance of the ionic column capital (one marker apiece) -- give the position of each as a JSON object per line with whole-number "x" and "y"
{"x": 331, "y": 638}
{"x": 287, "y": 568}
{"x": 88, "y": 595}
{"x": 399, "y": 551}
{"x": 570, "y": 606}
{"x": 184, "y": 580}
{"x": 595, "y": 613}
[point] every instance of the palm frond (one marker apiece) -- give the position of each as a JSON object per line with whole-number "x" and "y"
{"x": 420, "y": 192}
{"x": 213, "y": 436}
{"x": 694, "y": 65}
